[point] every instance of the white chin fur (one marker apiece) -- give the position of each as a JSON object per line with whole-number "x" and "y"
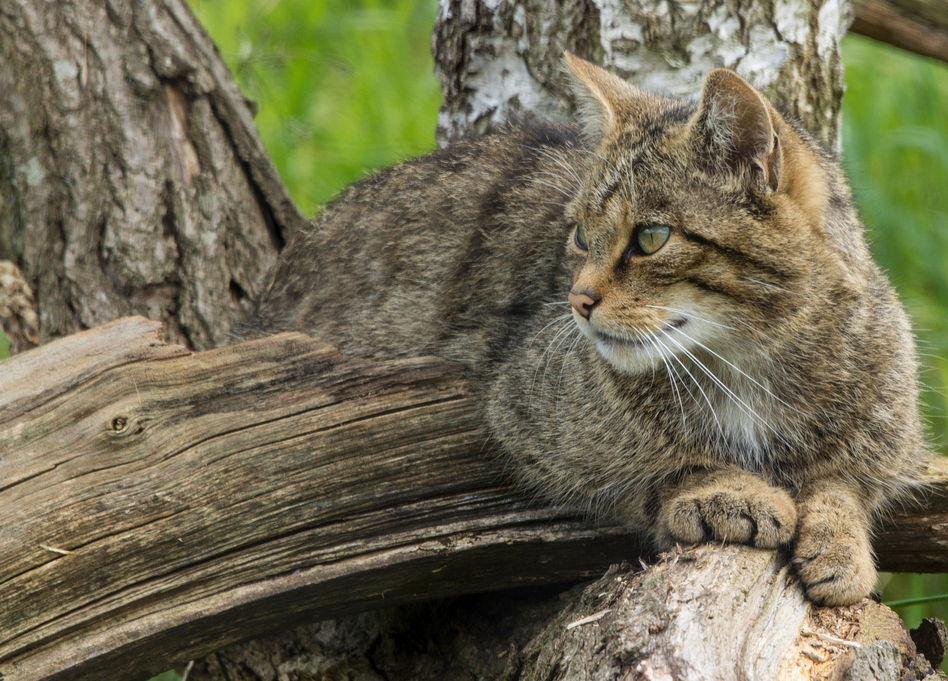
{"x": 636, "y": 358}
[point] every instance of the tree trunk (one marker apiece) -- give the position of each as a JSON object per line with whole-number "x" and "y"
{"x": 132, "y": 180}
{"x": 500, "y": 60}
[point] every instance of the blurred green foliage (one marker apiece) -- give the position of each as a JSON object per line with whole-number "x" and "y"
{"x": 343, "y": 86}
{"x": 895, "y": 150}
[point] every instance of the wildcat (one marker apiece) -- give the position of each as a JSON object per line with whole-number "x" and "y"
{"x": 673, "y": 314}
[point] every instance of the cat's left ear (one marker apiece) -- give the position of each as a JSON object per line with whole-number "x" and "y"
{"x": 603, "y": 97}
{"x": 736, "y": 124}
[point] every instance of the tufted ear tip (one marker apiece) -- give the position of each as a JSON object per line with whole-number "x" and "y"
{"x": 602, "y": 95}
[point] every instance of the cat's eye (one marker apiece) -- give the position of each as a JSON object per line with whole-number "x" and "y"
{"x": 579, "y": 237}
{"x": 648, "y": 238}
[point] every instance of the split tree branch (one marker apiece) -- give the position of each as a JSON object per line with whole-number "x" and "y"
{"x": 919, "y": 26}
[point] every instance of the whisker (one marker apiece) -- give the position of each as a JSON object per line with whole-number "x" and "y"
{"x": 691, "y": 315}
{"x": 555, "y": 320}
{"x": 746, "y": 408}
{"x": 559, "y": 332}
{"x": 569, "y": 332}
{"x": 696, "y": 382}
{"x": 650, "y": 338}
{"x": 733, "y": 366}
{"x": 579, "y": 338}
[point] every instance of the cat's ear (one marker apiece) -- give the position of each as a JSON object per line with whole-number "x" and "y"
{"x": 602, "y": 96}
{"x": 736, "y": 126}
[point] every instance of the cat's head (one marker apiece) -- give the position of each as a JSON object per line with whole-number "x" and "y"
{"x": 700, "y": 228}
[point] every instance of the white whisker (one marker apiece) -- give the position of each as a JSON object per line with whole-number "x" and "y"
{"x": 671, "y": 379}
{"x": 742, "y": 405}
{"x": 555, "y": 320}
{"x": 696, "y": 382}
{"x": 733, "y": 366}
{"x": 692, "y": 316}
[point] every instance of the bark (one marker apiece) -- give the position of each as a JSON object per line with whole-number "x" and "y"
{"x": 223, "y": 495}
{"x": 216, "y": 496}
{"x": 132, "y": 179}
{"x": 605, "y": 631}
{"x": 500, "y": 60}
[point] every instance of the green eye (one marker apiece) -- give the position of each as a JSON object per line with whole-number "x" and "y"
{"x": 580, "y": 238}
{"x": 647, "y": 239}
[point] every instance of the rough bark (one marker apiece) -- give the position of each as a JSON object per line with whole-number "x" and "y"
{"x": 132, "y": 179}
{"x": 500, "y": 60}
{"x": 159, "y": 504}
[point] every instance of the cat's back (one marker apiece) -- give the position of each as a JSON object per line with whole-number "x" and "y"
{"x": 439, "y": 255}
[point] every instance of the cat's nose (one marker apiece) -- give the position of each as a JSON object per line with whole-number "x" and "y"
{"x": 583, "y": 302}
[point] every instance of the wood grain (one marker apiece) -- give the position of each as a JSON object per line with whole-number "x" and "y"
{"x": 160, "y": 504}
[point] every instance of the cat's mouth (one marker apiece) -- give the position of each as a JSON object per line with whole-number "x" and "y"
{"x": 639, "y": 341}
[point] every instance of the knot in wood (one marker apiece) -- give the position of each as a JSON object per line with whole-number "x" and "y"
{"x": 119, "y": 424}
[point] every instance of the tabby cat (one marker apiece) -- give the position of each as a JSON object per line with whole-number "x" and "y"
{"x": 673, "y": 313}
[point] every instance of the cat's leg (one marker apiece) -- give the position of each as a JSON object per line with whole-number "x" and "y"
{"x": 726, "y": 505}
{"x": 832, "y": 554}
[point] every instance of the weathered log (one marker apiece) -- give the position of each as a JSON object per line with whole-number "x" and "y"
{"x": 160, "y": 504}
{"x": 710, "y": 613}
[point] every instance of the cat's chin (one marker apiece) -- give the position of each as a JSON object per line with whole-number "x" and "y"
{"x": 631, "y": 355}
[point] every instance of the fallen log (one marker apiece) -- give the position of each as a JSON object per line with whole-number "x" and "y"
{"x": 160, "y": 504}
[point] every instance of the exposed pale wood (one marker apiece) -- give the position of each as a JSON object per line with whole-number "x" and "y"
{"x": 919, "y": 26}
{"x": 160, "y": 504}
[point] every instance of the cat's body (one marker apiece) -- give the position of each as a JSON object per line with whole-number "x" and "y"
{"x": 730, "y": 363}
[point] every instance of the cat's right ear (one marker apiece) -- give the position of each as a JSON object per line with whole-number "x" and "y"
{"x": 602, "y": 96}
{"x": 735, "y": 126}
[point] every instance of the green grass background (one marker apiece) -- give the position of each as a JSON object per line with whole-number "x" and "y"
{"x": 346, "y": 86}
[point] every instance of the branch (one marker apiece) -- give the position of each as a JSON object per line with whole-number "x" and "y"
{"x": 161, "y": 504}
{"x": 919, "y": 26}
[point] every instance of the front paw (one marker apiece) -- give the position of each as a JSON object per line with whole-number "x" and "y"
{"x": 740, "y": 510}
{"x": 833, "y": 560}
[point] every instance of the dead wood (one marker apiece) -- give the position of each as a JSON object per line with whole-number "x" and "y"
{"x": 160, "y": 504}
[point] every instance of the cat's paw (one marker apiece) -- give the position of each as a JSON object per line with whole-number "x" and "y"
{"x": 747, "y": 513}
{"x": 833, "y": 560}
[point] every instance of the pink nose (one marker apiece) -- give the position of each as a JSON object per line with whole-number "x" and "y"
{"x": 583, "y": 302}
